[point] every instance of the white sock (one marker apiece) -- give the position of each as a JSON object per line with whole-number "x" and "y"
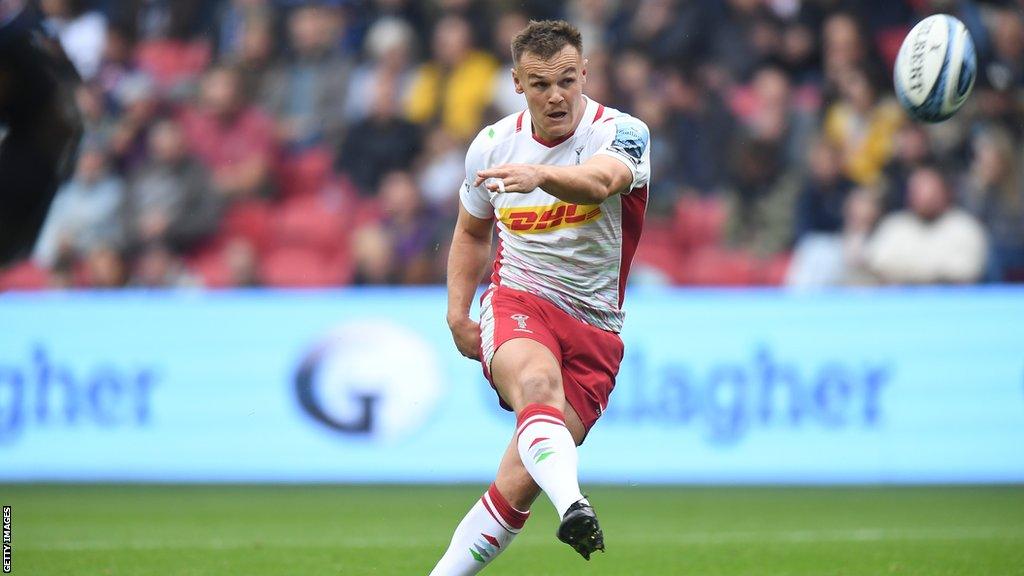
{"x": 486, "y": 531}
{"x": 549, "y": 454}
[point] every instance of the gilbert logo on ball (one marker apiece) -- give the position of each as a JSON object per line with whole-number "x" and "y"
{"x": 935, "y": 68}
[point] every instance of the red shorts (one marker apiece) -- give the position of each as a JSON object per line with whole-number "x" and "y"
{"x": 589, "y": 356}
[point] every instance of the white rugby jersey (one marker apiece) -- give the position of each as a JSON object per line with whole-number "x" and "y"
{"x": 576, "y": 256}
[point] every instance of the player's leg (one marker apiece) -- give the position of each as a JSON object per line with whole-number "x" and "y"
{"x": 529, "y": 378}
{"x": 548, "y": 430}
{"x": 491, "y": 524}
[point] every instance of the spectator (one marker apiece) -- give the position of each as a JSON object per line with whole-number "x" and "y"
{"x": 105, "y": 268}
{"x": 82, "y": 33}
{"x": 760, "y": 200}
{"x": 931, "y": 242}
{"x": 862, "y": 126}
{"x": 389, "y": 45}
{"x": 381, "y": 143}
{"x": 860, "y": 215}
{"x": 506, "y": 100}
{"x": 234, "y": 21}
{"x": 442, "y": 171}
{"x": 137, "y": 97}
{"x": 994, "y": 193}
{"x": 912, "y": 150}
{"x": 97, "y": 124}
{"x": 157, "y": 267}
{"x": 86, "y": 213}
{"x": 232, "y": 138}
{"x": 401, "y": 248}
{"x": 767, "y": 110}
{"x": 701, "y": 128}
{"x": 448, "y": 89}
{"x": 844, "y": 47}
{"x": 253, "y": 54}
{"x": 242, "y": 264}
{"x": 822, "y": 198}
{"x": 170, "y": 202}
{"x": 305, "y": 93}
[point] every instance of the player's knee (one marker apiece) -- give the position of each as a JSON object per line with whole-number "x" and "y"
{"x": 541, "y": 387}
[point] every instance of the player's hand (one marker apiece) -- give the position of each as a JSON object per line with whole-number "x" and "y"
{"x": 466, "y": 334}
{"x": 511, "y": 178}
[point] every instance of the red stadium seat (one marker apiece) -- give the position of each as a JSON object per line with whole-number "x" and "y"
{"x": 718, "y": 267}
{"x": 657, "y": 248}
{"x": 210, "y": 266}
{"x": 249, "y": 219}
{"x": 773, "y": 270}
{"x": 24, "y": 276}
{"x": 292, "y": 267}
{"x": 173, "y": 61}
{"x": 698, "y": 222}
{"x": 306, "y": 173}
{"x": 313, "y": 222}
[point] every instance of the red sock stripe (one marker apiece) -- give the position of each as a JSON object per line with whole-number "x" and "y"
{"x": 539, "y": 410}
{"x": 510, "y": 515}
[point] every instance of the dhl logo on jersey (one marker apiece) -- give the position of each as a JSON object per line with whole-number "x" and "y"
{"x": 533, "y": 219}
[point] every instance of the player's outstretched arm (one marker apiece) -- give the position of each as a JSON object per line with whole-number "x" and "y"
{"x": 469, "y": 254}
{"x": 589, "y": 183}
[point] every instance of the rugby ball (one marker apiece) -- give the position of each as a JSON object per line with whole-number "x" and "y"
{"x": 935, "y": 68}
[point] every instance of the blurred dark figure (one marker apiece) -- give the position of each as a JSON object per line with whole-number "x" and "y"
{"x": 380, "y": 143}
{"x": 994, "y": 193}
{"x": 932, "y": 242}
{"x": 451, "y": 89}
{"x": 761, "y": 200}
{"x": 306, "y": 93}
{"x": 913, "y": 149}
{"x": 156, "y": 266}
{"x": 37, "y": 108}
{"x": 232, "y": 138}
{"x": 863, "y": 125}
{"x": 170, "y": 202}
{"x": 86, "y": 214}
{"x": 401, "y": 247}
{"x": 822, "y": 198}
{"x": 137, "y": 98}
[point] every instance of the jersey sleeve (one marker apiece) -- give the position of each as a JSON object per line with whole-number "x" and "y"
{"x": 627, "y": 139}
{"x": 476, "y": 199}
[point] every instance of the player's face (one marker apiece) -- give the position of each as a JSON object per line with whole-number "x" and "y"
{"x": 553, "y": 90}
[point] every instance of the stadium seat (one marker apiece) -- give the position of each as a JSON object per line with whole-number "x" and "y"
{"x": 772, "y": 272}
{"x": 717, "y": 267}
{"x": 315, "y": 222}
{"x": 249, "y": 219}
{"x": 306, "y": 173}
{"x": 657, "y": 249}
{"x": 291, "y": 267}
{"x": 698, "y": 222}
{"x": 171, "y": 62}
{"x": 24, "y": 276}
{"x": 209, "y": 264}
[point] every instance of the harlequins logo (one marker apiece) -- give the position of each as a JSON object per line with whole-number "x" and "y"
{"x": 521, "y": 322}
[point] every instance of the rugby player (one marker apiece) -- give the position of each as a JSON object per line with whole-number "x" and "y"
{"x": 565, "y": 183}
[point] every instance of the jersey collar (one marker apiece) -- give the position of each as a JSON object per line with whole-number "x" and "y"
{"x": 588, "y": 112}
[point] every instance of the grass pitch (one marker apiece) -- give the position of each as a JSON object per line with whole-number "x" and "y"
{"x": 398, "y": 530}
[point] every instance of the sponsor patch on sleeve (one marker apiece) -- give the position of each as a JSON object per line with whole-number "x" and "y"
{"x": 631, "y": 138}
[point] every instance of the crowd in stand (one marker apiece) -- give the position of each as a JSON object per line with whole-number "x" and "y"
{"x": 297, "y": 143}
